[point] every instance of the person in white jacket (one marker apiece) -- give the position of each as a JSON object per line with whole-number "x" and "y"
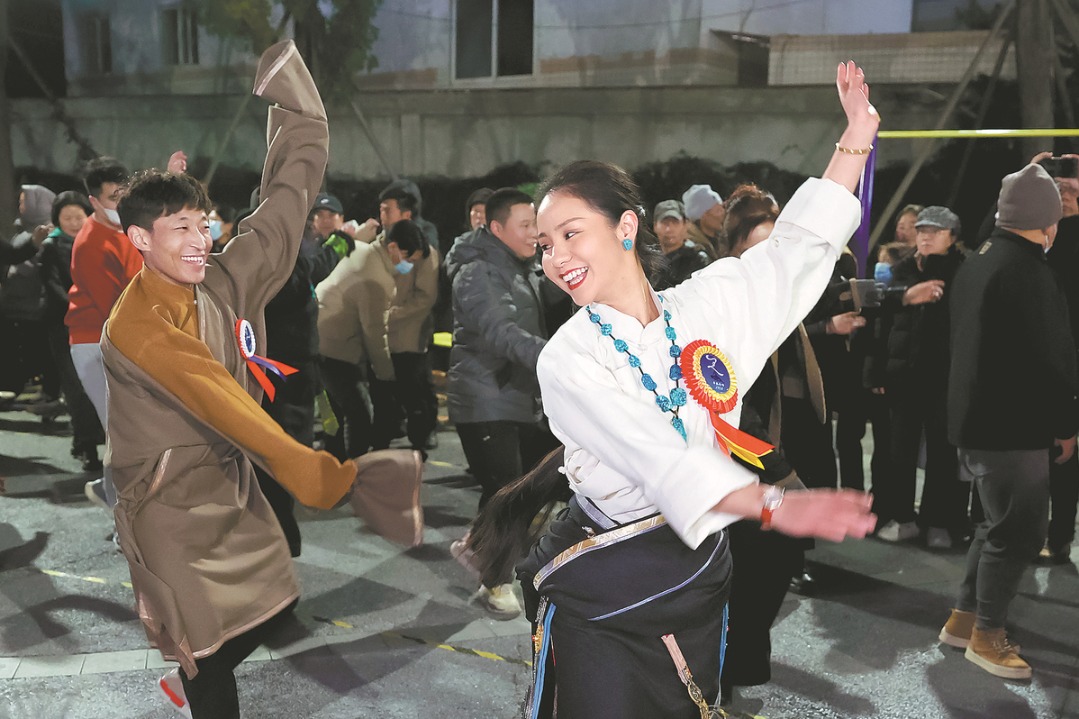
{"x": 642, "y": 389}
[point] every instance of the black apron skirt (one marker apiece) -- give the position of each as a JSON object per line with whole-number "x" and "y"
{"x": 601, "y": 609}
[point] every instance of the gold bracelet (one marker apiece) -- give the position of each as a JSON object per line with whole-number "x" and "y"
{"x": 854, "y": 151}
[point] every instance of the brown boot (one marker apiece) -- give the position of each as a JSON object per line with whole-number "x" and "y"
{"x": 956, "y": 631}
{"x": 991, "y": 650}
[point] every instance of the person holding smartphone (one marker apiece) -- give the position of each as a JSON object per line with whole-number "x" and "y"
{"x": 1063, "y": 258}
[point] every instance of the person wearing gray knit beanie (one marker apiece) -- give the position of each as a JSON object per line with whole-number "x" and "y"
{"x": 706, "y": 212}
{"x": 1013, "y": 409}
{"x": 1029, "y": 200}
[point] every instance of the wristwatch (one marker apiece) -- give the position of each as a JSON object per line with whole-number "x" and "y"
{"x": 773, "y": 497}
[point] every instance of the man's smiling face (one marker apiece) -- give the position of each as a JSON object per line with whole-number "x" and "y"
{"x": 177, "y": 246}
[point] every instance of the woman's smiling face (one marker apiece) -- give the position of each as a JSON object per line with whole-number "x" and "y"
{"x": 582, "y": 250}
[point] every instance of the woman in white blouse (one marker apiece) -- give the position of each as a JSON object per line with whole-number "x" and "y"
{"x": 642, "y": 389}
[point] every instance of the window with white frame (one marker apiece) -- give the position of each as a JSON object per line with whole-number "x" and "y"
{"x": 493, "y": 38}
{"x": 96, "y": 44}
{"x": 180, "y": 36}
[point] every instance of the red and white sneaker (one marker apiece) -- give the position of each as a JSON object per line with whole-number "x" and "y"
{"x": 172, "y": 689}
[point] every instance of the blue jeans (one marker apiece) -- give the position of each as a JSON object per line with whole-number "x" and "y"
{"x": 1014, "y": 490}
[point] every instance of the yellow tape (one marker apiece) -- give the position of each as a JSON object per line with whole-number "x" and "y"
{"x": 920, "y": 134}
{"x": 443, "y": 339}
{"x": 65, "y": 575}
{"x": 437, "y": 645}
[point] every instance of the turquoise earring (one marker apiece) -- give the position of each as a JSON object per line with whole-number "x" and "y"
{"x": 627, "y": 244}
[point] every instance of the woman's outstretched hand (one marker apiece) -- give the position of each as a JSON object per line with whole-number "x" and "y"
{"x": 825, "y": 514}
{"x": 862, "y": 123}
{"x": 854, "y": 97}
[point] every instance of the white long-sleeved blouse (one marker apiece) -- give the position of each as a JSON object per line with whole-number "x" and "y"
{"x": 621, "y": 450}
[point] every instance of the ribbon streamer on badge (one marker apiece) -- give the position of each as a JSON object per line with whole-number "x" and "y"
{"x": 245, "y": 337}
{"x": 711, "y": 382}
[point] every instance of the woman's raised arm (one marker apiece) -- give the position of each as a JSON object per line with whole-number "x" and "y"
{"x": 852, "y": 150}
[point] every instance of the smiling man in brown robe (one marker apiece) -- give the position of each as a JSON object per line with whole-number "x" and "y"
{"x": 209, "y": 562}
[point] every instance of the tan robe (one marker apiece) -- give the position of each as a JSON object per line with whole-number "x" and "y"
{"x": 208, "y": 559}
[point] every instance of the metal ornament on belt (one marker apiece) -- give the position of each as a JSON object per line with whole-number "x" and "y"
{"x": 245, "y": 338}
{"x": 711, "y": 382}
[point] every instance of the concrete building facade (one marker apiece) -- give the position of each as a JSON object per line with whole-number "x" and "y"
{"x": 463, "y": 86}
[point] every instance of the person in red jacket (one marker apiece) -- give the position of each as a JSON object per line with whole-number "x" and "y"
{"x": 103, "y": 261}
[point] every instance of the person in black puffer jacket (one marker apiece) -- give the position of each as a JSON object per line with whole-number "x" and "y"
{"x": 915, "y": 371}
{"x": 499, "y": 328}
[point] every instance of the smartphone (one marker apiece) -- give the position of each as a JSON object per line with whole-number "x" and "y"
{"x": 1061, "y": 166}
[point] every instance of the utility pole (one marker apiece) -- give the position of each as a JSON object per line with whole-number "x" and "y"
{"x": 1034, "y": 53}
{"x": 8, "y": 196}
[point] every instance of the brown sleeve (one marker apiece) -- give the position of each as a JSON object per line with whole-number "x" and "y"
{"x": 259, "y": 260}
{"x": 184, "y": 366}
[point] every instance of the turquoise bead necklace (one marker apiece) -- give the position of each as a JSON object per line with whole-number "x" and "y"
{"x": 666, "y": 403}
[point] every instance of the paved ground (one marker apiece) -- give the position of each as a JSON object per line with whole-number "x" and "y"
{"x": 383, "y": 632}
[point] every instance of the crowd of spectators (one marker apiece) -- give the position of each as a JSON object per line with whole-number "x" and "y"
{"x": 356, "y": 319}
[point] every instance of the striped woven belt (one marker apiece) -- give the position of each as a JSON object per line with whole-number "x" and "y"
{"x": 590, "y": 544}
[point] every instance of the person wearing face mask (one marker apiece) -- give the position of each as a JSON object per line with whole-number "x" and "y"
{"x": 1012, "y": 408}
{"x": 70, "y": 212}
{"x": 221, "y": 223}
{"x": 103, "y": 262}
{"x": 353, "y": 331}
{"x": 914, "y": 368}
{"x": 411, "y": 323}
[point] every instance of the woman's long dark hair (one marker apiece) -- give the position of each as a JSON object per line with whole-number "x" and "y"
{"x": 609, "y": 190}
{"x": 514, "y": 519}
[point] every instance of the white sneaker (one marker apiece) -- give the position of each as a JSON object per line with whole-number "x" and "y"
{"x": 95, "y": 492}
{"x": 893, "y": 531}
{"x": 938, "y": 538}
{"x": 500, "y": 602}
{"x": 172, "y": 689}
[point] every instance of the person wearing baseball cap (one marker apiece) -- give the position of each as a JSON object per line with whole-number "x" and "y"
{"x": 705, "y": 211}
{"x": 327, "y": 215}
{"x": 1012, "y": 408}
{"x": 913, "y": 364}
{"x": 684, "y": 257}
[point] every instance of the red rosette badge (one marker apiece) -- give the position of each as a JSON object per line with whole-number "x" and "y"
{"x": 245, "y": 337}
{"x": 709, "y": 376}
{"x": 711, "y": 382}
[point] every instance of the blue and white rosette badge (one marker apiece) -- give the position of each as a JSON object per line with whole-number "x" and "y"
{"x": 245, "y": 338}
